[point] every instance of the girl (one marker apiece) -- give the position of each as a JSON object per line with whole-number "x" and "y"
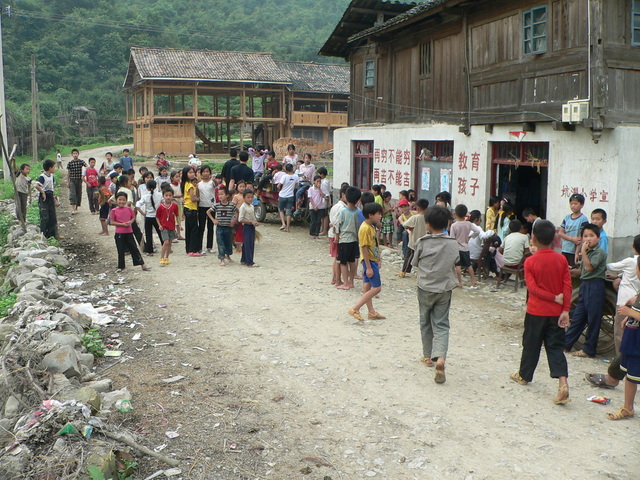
{"x": 238, "y": 200}
{"x": 122, "y": 217}
{"x": 291, "y": 156}
{"x": 387, "y": 220}
{"x": 315, "y": 207}
{"x": 142, "y": 189}
{"x": 147, "y": 206}
{"x": 104, "y": 194}
{"x": 503, "y": 220}
{"x": 163, "y": 176}
{"x": 124, "y": 185}
{"x": 191, "y": 199}
{"x": 166, "y": 216}
{"x": 247, "y": 218}
{"x": 177, "y": 197}
{"x": 206, "y": 192}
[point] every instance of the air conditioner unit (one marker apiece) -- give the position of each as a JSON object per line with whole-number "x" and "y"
{"x": 566, "y": 113}
{"x": 579, "y": 111}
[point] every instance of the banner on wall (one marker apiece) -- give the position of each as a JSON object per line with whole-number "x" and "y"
{"x": 426, "y": 178}
{"x": 392, "y": 167}
{"x": 445, "y": 180}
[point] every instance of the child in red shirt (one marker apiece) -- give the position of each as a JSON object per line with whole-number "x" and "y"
{"x": 549, "y": 285}
{"x": 166, "y": 215}
{"x": 122, "y": 217}
{"x": 91, "y": 176}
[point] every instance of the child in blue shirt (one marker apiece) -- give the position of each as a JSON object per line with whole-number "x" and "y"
{"x": 599, "y": 218}
{"x": 570, "y": 228}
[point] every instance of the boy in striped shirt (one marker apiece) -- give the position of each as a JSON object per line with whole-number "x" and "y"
{"x": 223, "y": 215}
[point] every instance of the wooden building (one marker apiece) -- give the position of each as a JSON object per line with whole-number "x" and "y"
{"x": 176, "y": 97}
{"x": 528, "y": 100}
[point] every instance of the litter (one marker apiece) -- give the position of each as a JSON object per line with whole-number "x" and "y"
{"x": 175, "y": 379}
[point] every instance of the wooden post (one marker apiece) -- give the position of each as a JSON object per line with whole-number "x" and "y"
{"x": 34, "y": 110}
{"x": 228, "y": 125}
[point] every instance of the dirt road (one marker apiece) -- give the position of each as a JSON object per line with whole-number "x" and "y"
{"x": 281, "y": 383}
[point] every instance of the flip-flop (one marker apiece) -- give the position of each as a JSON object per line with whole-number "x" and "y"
{"x": 559, "y": 400}
{"x": 597, "y": 380}
{"x": 581, "y": 354}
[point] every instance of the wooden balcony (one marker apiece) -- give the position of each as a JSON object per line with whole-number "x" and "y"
{"x": 318, "y": 119}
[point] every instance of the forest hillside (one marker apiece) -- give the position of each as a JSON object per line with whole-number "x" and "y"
{"x": 82, "y": 46}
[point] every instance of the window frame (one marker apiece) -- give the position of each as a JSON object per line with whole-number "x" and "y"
{"x": 635, "y": 12}
{"x": 531, "y": 27}
{"x": 425, "y": 59}
{"x": 369, "y": 80}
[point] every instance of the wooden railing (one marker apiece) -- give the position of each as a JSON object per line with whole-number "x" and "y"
{"x": 319, "y": 119}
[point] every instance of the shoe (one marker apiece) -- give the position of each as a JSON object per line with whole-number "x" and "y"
{"x": 356, "y": 314}
{"x": 427, "y": 361}
{"x": 211, "y": 250}
{"x": 194, "y": 254}
{"x": 376, "y": 316}
{"x": 203, "y": 253}
{"x": 563, "y": 396}
{"x": 515, "y": 376}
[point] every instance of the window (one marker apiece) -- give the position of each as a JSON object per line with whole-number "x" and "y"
{"x": 635, "y": 22}
{"x": 362, "y": 164}
{"x": 369, "y": 73}
{"x": 434, "y": 151}
{"x": 534, "y": 30}
{"x": 425, "y": 59}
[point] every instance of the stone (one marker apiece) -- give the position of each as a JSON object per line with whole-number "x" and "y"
{"x": 85, "y": 395}
{"x": 33, "y": 263}
{"x": 33, "y": 285}
{"x": 13, "y": 466}
{"x": 32, "y": 254}
{"x": 103, "y": 458}
{"x": 70, "y": 339}
{"x": 63, "y": 360}
{"x": 6, "y": 427}
{"x": 12, "y": 407}
{"x": 59, "y": 260}
{"x": 86, "y": 359}
{"x": 60, "y": 383}
{"x": 110, "y": 399}
{"x": 101, "y": 386}
{"x": 86, "y": 315}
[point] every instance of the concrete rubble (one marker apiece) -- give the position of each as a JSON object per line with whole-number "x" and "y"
{"x": 54, "y": 406}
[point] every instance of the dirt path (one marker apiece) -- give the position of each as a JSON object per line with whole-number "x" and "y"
{"x": 281, "y": 383}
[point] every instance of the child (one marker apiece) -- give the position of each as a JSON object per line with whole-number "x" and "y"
{"x": 570, "y": 228}
{"x": 163, "y": 176}
{"x": 628, "y": 286}
{"x": 75, "y": 176}
{"x": 122, "y": 217}
{"x": 388, "y": 209}
{"x": 436, "y": 254}
{"x": 238, "y": 200}
{"x": 476, "y": 244}
{"x": 529, "y": 214}
{"x": 548, "y": 303}
{"x": 404, "y": 214}
{"x": 588, "y": 310}
{"x": 47, "y": 201}
{"x": 247, "y": 217}
{"x": 377, "y": 194}
{"x": 223, "y": 215}
{"x": 291, "y": 158}
{"x": 316, "y": 198}
{"x": 112, "y": 180}
{"x": 347, "y": 237}
{"x": 515, "y": 247}
{"x": 462, "y": 230}
{"x": 103, "y": 200}
{"x": 148, "y": 206}
{"x": 492, "y": 213}
{"x": 417, "y": 228}
{"x": 287, "y": 184}
{"x": 190, "y": 195}
{"x": 370, "y": 262}
{"x": 107, "y": 166}
{"x": 23, "y": 187}
{"x": 91, "y": 180}
{"x": 402, "y": 195}
{"x": 326, "y": 201}
{"x": 206, "y": 192}
{"x": 161, "y": 161}
{"x": 166, "y": 218}
{"x": 599, "y": 218}
{"x": 334, "y": 213}
{"x": 59, "y": 159}
{"x": 503, "y": 219}
{"x": 177, "y": 197}
{"x": 142, "y": 189}
{"x": 630, "y": 356}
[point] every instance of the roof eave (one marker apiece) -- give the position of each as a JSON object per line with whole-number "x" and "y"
{"x": 212, "y": 80}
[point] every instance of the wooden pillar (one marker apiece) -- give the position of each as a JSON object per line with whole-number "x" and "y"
{"x": 228, "y": 125}
{"x": 195, "y": 103}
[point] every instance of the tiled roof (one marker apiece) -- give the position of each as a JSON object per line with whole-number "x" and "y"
{"x": 166, "y": 63}
{"x": 403, "y": 17}
{"x": 317, "y": 77}
{"x": 359, "y": 15}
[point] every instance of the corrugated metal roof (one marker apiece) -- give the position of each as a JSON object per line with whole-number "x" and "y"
{"x": 359, "y": 15}
{"x": 317, "y": 77}
{"x": 167, "y": 63}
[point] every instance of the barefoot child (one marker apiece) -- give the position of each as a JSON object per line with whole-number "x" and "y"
{"x": 167, "y": 218}
{"x": 370, "y": 262}
{"x": 549, "y": 285}
{"x": 347, "y": 237}
{"x": 247, "y": 217}
{"x": 435, "y": 256}
{"x": 630, "y": 357}
{"x": 104, "y": 194}
{"x": 223, "y": 215}
{"x": 122, "y": 217}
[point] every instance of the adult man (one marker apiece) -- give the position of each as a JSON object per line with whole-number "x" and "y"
{"x": 126, "y": 161}
{"x": 241, "y": 172}
{"x": 229, "y": 164}
{"x": 75, "y": 177}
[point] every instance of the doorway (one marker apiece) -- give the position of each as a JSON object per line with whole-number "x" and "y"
{"x": 520, "y": 173}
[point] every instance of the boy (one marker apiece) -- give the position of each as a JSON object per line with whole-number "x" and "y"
{"x": 588, "y": 310}
{"x": 91, "y": 180}
{"x": 549, "y": 285}
{"x": 326, "y": 202}
{"x": 126, "y": 161}
{"x": 570, "y": 228}
{"x": 161, "y": 161}
{"x": 628, "y": 286}
{"x": 347, "y": 237}
{"x": 370, "y": 262}
{"x": 476, "y": 244}
{"x": 47, "y": 201}
{"x": 599, "y": 218}
{"x": 529, "y": 214}
{"x": 166, "y": 215}
{"x": 59, "y": 159}
{"x": 23, "y": 187}
{"x": 287, "y": 185}
{"x": 223, "y": 215}
{"x": 515, "y": 247}
{"x": 462, "y": 230}
{"x": 333, "y": 243}
{"x": 435, "y": 256}
{"x": 107, "y": 165}
{"x": 492, "y": 213}
{"x": 416, "y": 227}
{"x": 247, "y": 217}
{"x": 75, "y": 177}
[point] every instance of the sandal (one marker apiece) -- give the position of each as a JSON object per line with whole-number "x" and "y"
{"x": 561, "y": 399}
{"x": 376, "y": 316}
{"x": 427, "y": 361}
{"x": 621, "y": 414}
{"x": 515, "y": 376}
{"x": 356, "y": 314}
{"x": 581, "y": 354}
{"x": 597, "y": 380}
{"x": 440, "y": 376}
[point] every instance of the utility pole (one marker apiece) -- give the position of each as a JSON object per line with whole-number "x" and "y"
{"x": 34, "y": 110}
{"x": 3, "y": 111}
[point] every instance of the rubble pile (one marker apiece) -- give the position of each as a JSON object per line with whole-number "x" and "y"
{"x": 54, "y": 406}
